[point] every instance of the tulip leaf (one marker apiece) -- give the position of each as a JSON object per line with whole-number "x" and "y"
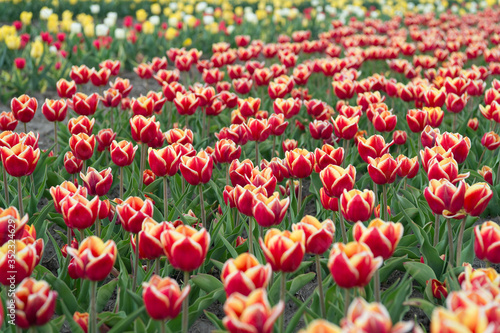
{"x": 303, "y": 307}
{"x": 420, "y": 272}
{"x": 154, "y": 185}
{"x": 390, "y": 265}
{"x": 74, "y": 327}
{"x": 207, "y": 282}
{"x": 38, "y": 219}
{"x": 393, "y": 297}
{"x": 104, "y": 294}
{"x": 64, "y": 293}
{"x": 214, "y": 319}
{"x": 229, "y": 247}
{"x": 426, "y": 306}
{"x": 299, "y": 282}
{"x": 124, "y": 324}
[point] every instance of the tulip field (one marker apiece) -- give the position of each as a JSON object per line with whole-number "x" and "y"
{"x": 249, "y": 166}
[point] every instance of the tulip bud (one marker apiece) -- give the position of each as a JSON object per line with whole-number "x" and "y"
{"x": 300, "y": 162}
{"x": 72, "y": 164}
{"x": 78, "y": 212}
{"x": 399, "y": 137}
{"x": 326, "y": 156}
{"x": 284, "y": 250}
{"x": 93, "y": 260}
{"x": 356, "y": 205}
{"x": 82, "y": 319}
{"x": 104, "y": 139}
{"x": 150, "y": 246}
{"x": 473, "y": 124}
{"x": 24, "y": 108}
{"x": 487, "y": 174}
{"x": 186, "y": 247}
{"x": 123, "y": 86}
{"x": 25, "y": 261}
{"x": 335, "y": 179}
{"x": 66, "y": 89}
{"x": 289, "y": 144}
{"x": 11, "y": 224}
{"x": 487, "y": 240}
{"x": 383, "y": 170}
{"x": 269, "y": 211}
{"x": 29, "y": 297}
{"x": 55, "y": 110}
{"x": 477, "y": 197}
{"x": 82, "y": 124}
{"x": 143, "y": 106}
{"x": 163, "y": 297}
{"x": 353, "y": 264}
{"x": 252, "y": 312}
{"x": 443, "y": 197}
{"x": 244, "y": 275}
{"x": 439, "y": 290}
{"x": 381, "y": 237}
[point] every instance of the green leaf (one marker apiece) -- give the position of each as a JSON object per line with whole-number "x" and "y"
{"x": 426, "y": 306}
{"x": 124, "y": 324}
{"x": 206, "y": 282}
{"x": 65, "y": 294}
{"x": 104, "y": 294}
{"x": 299, "y": 282}
{"x": 420, "y": 272}
{"x": 214, "y": 319}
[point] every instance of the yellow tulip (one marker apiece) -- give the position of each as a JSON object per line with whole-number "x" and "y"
{"x": 53, "y": 26}
{"x": 167, "y": 11}
{"x": 155, "y": 9}
{"x": 36, "y": 49}
{"x": 189, "y": 9}
{"x": 13, "y": 42}
{"x": 192, "y": 21}
{"x": 141, "y": 15}
{"x": 26, "y": 17}
{"x": 171, "y": 33}
{"x": 238, "y": 11}
{"x": 148, "y": 28}
{"x": 187, "y": 42}
{"x": 89, "y": 30}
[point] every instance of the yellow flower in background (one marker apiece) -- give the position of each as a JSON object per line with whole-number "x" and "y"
{"x": 213, "y": 28}
{"x": 141, "y": 15}
{"x": 167, "y": 11}
{"x": 67, "y": 15}
{"x": 36, "y": 49}
{"x": 53, "y": 26}
{"x": 155, "y": 9}
{"x": 238, "y": 11}
{"x": 189, "y": 9}
{"x": 73, "y": 2}
{"x": 13, "y": 42}
{"x": 171, "y": 33}
{"x": 148, "y": 28}
{"x": 187, "y": 42}
{"x": 192, "y": 21}
{"x": 26, "y": 17}
{"x": 66, "y": 25}
{"x": 261, "y": 14}
{"x": 89, "y": 30}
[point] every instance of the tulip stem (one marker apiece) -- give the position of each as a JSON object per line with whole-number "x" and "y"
{"x": 162, "y": 326}
{"x": 143, "y": 160}
{"x": 25, "y": 128}
{"x": 202, "y": 205}
{"x": 480, "y": 159}
{"x": 455, "y": 121}
{"x": 256, "y": 153}
{"x": 342, "y": 228}
{"x": 497, "y": 176}
{"x": 320, "y": 287}
{"x": 121, "y": 182}
{"x": 299, "y": 200}
{"x": 376, "y": 286}
{"x": 56, "y": 147}
{"x": 384, "y": 197}
{"x": 227, "y": 173}
{"x": 450, "y": 241}
{"x": 282, "y": 298}
{"x": 185, "y": 306}
{"x": 6, "y": 186}
{"x": 165, "y": 198}
{"x": 68, "y": 235}
{"x": 375, "y": 190}
{"x": 157, "y": 266}
{"x": 98, "y": 227}
{"x": 274, "y": 146}
{"x": 111, "y": 116}
{"x": 204, "y": 122}
{"x": 459, "y": 242}
{"x": 250, "y": 235}
{"x": 93, "y": 307}
{"x": 136, "y": 264}
{"x": 20, "y": 196}
{"x": 347, "y": 300}
{"x": 436, "y": 230}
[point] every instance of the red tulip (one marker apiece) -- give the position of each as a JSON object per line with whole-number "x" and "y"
{"x": 20, "y": 160}
{"x": 356, "y": 205}
{"x": 444, "y": 198}
{"x": 133, "y": 212}
{"x": 163, "y": 297}
{"x": 490, "y": 140}
{"x": 144, "y": 130}
{"x": 381, "y": 237}
{"x": 79, "y": 212}
{"x": 104, "y": 139}
{"x": 417, "y": 120}
{"x": 319, "y": 236}
{"x": 122, "y": 153}
{"x": 7, "y": 121}
{"x": 55, "y": 110}
{"x": 487, "y": 242}
{"x": 455, "y": 143}
{"x": 326, "y": 156}
{"x": 345, "y": 128}
{"x": 186, "y": 247}
{"x": 35, "y": 303}
{"x": 80, "y": 75}
{"x": 93, "y": 260}
{"x": 335, "y": 179}
{"x": 97, "y": 183}
{"x": 66, "y": 89}
{"x": 373, "y": 147}
{"x": 300, "y": 162}
{"x": 82, "y": 124}
{"x": 284, "y": 250}
{"x": 244, "y": 275}
{"x": 85, "y": 105}
{"x": 82, "y": 146}
{"x": 24, "y": 108}
{"x": 269, "y": 211}
{"x": 72, "y": 164}
{"x": 476, "y": 199}
{"x": 197, "y": 169}
{"x": 383, "y": 170}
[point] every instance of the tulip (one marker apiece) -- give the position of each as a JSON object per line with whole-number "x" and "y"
{"x": 352, "y": 264}
{"x": 455, "y": 143}
{"x": 78, "y": 212}
{"x": 113, "y": 66}
{"x": 178, "y": 135}
{"x": 328, "y": 202}
{"x": 318, "y": 236}
{"x": 487, "y": 242}
{"x": 344, "y": 89}
{"x": 335, "y": 179}
{"x": 82, "y": 124}
{"x": 289, "y": 144}
{"x": 288, "y": 107}
{"x": 226, "y": 151}
{"x": 72, "y": 164}
{"x": 244, "y": 275}
{"x": 383, "y": 170}
{"x": 240, "y": 171}
{"x": 19, "y": 160}
{"x": 122, "y": 153}
{"x": 321, "y": 326}
{"x": 468, "y": 319}
{"x": 456, "y": 103}
{"x": 435, "y": 116}
{"x": 373, "y": 147}
{"x": 487, "y": 174}
{"x": 100, "y": 77}
{"x": 357, "y": 205}
{"x": 55, "y": 110}
{"x": 82, "y": 146}
{"x": 133, "y": 212}
{"x": 428, "y": 136}
{"x": 251, "y": 313}
{"x": 97, "y": 183}
{"x": 24, "y": 108}
{"x": 80, "y": 75}
{"x": 327, "y": 156}
{"x": 384, "y": 121}
{"x": 60, "y": 192}
{"x": 143, "y": 129}
{"x": 417, "y": 120}
{"x": 85, "y": 105}
{"x": 269, "y": 211}
{"x": 439, "y": 290}
{"x": 24, "y": 261}
{"x": 284, "y": 250}
{"x": 434, "y": 97}
{"x": 408, "y": 167}
{"x": 435, "y": 153}
{"x": 447, "y": 168}
{"x": 122, "y": 85}
{"x": 185, "y": 247}
{"x": 163, "y": 298}
{"x": 399, "y": 137}
{"x": 245, "y": 198}
{"x": 364, "y": 317}
{"x": 66, "y": 89}
{"x": 381, "y": 237}
{"x": 35, "y": 303}
{"x": 345, "y": 128}
{"x": 197, "y": 169}
{"x": 143, "y": 106}
{"x": 300, "y": 162}
{"x": 490, "y": 140}
{"x": 82, "y": 319}
{"x": 186, "y": 104}
{"x": 321, "y": 129}
{"x": 444, "y": 198}
{"x": 104, "y": 139}
{"x": 111, "y": 98}
{"x": 12, "y": 225}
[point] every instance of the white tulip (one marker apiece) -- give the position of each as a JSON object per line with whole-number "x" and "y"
{"x": 200, "y": 7}
{"x": 154, "y": 19}
{"x": 53, "y": 49}
{"x": 113, "y": 15}
{"x": 45, "y": 13}
{"x": 173, "y": 6}
{"x": 172, "y": 21}
{"x": 320, "y": 17}
{"x": 109, "y": 22}
{"x": 95, "y": 9}
{"x": 230, "y": 29}
{"x": 208, "y": 19}
{"x": 76, "y": 28}
{"x": 209, "y": 10}
{"x": 101, "y": 30}
{"x": 120, "y": 33}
